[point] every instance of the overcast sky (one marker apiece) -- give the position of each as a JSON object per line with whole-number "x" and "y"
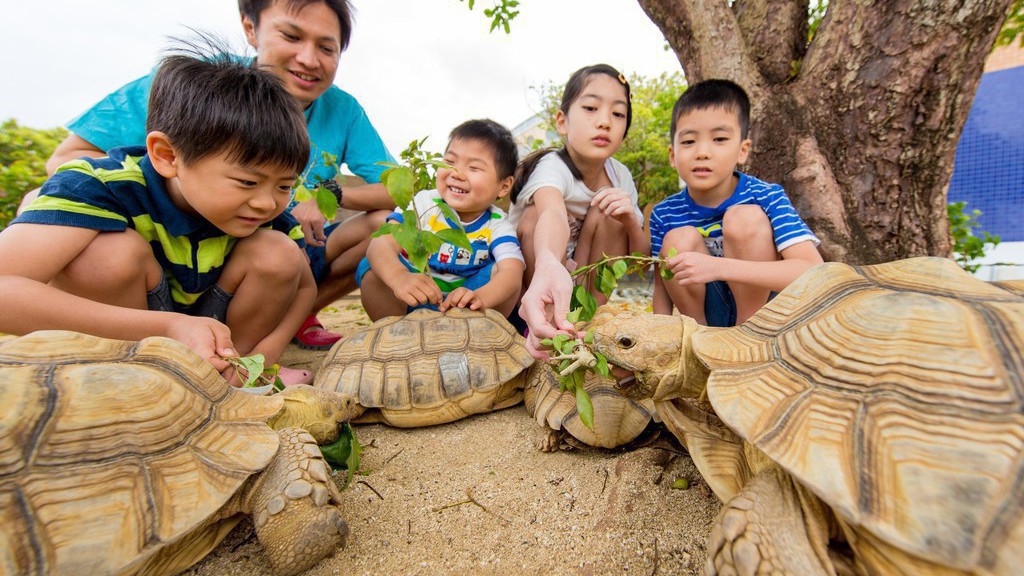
{"x": 419, "y": 67}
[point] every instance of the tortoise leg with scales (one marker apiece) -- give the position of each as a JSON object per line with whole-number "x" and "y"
{"x": 137, "y": 458}
{"x": 877, "y": 406}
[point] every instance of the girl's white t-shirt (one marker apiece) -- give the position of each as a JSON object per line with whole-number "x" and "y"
{"x": 552, "y": 171}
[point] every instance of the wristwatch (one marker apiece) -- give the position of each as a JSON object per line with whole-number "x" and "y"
{"x": 334, "y": 188}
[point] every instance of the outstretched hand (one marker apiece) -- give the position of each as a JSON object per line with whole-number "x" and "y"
{"x": 544, "y": 307}
{"x": 208, "y": 338}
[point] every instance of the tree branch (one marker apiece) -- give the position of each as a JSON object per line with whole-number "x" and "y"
{"x": 775, "y": 32}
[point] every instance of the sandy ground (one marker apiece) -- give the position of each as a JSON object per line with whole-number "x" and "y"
{"x": 477, "y": 497}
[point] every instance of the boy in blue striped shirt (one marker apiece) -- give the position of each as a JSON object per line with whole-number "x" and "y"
{"x": 185, "y": 237}
{"x": 730, "y": 239}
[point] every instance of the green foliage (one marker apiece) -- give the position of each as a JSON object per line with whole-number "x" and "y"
{"x": 253, "y": 373}
{"x": 815, "y": 13}
{"x": 345, "y": 453}
{"x": 325, "y": 200}
{"x": 501, "y": 13}
{"x": 23, "y": 155}
{"x": 402, "y": 184}
{"x": 1013, "y": 27}
{"x": 966, "y": 245}
{"x": 645, "y": 150}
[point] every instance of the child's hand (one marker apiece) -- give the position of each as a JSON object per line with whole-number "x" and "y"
{"x": 415, "y": 289}
{"x": 207, "y": 337}
{"x": 693, "y": 268}
{"x": 462, "y": 298}
{"x": 615, "y": 203}
{"x": 312, "y": 220}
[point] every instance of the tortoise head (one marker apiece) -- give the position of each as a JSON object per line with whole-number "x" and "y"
{"x": 654, "y": 347}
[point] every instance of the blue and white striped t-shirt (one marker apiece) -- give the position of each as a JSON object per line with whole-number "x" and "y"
{"x": 680, "y": 210}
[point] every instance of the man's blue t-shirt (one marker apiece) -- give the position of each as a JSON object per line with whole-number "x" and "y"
{"x": 336, "y": 122}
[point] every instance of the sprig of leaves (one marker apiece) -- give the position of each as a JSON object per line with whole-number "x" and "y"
{"x": 966, "y": 246}
{"x": 253, "y": 372}
{"x": 604, "y": 275}
{"x": 501, "y": 13}
{"x": 345, "y": 453}
{"x": 325, "y": 200}
{"x": 417, "y": 243}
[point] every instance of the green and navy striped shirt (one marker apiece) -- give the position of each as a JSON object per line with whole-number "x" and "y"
{"x": 125, "y": 191}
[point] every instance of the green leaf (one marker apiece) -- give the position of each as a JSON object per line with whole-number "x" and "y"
{"x": 559, "y": 340}
{"x": 588, "y": 337}
{"x": 456, "y": 237}
{"x": 671, "y": 252}
{"x": 399, "y": 183}
{"x": 253, "y": 366}
{"x": 302, "y": 193}
{"x": 619, "y": 268}
{"x": 326, "y": 202}
{"x": 681, "y": 484}
{"x": 431, "y": 242}
{"x": 602, "y": 365}
{"x": 607, "y": 282}
{"x": 449, "y": 213}
{"x": 330, "y": 160}
{"x": 574, "y": 315}
{"x": 345, "y": 453}
{"x": 385, "y": 229}
{"x": 665, "y": 273}
{"x": 584, "y": 407}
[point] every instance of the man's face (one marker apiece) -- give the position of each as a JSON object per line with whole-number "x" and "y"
{"x": 302, "y": 47}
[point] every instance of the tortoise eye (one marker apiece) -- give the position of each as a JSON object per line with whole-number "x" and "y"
{"x": 625, "y": 342}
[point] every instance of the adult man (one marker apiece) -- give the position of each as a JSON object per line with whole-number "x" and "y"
{"x": 301, "y": 41}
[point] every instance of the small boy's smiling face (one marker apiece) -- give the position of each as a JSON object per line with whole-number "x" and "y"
{"x": 472, "y": 184}
{"x": 706, "y": 148}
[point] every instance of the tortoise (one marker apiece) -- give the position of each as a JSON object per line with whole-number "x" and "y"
{"x": 881, "y": 405}
{"x": 428, "y": 367}
{"x": 617, "y": 419}
{"x": 137, "y": 458}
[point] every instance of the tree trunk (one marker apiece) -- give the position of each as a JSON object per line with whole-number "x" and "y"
{"x": 860, "y": 126}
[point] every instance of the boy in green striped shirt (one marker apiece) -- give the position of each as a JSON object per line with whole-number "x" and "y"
{"x": 186, "y": 237}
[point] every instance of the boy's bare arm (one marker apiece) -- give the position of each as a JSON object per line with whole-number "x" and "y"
{"x": 409, "y": 287}
{"x": 696, "y": 268}
{"x": 72, "y": 147}
{"x": 506, "y": 281}
{"x": 31, "y": 255}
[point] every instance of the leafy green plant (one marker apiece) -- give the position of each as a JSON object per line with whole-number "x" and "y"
{"x": 23, "y": 155}
{"x": 966, "y": 246}
{"x": 423, "y": 163}
{"x": 253, "y": 373}
{"x": 306, "y": 190}
{"x": 1013, "y": 26}
{"x": 501, "y": 13}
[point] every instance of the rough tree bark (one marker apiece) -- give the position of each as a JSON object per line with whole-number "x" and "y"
{"x": 861, "y": 125}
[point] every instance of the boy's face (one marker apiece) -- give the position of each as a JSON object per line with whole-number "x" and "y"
{"x": 472, "y": 184}
{"x": 236, "y": 199}
{"x": 301, "y": 47}
{"x": 705, "y": 150}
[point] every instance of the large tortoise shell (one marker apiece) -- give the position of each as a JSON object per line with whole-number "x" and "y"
{"x": 94, "y": 431}
{"x": 894, "y": 392}
{"x": 427, "y": 367}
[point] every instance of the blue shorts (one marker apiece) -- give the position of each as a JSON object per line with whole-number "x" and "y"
{"x": 474, "y": 282}
{"x": 211, "y": 304}
{"x": 720, "y": 305}
{"x": 318, "y": 255}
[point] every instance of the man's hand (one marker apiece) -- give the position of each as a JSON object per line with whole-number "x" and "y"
{"x": 415, "y": 289}
{"x": 462, "y": 298}
{"x": 312, "y": 220}
{"x": 545, "y": 305}
{"x": 207, "y": 337}
{"x": 694, "y": 268}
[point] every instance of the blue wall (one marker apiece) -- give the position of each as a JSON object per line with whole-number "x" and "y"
{"x": 989, "y": 169}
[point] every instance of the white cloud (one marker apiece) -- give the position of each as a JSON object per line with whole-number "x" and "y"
{"x": 419, "y": 67}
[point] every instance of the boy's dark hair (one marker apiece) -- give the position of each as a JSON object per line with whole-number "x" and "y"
{"x": 207, "y": 101}
{"x": 342, "y": 8}
{"x": 713, "y": 94}
{"x": 494, "y": 135}
{"x": 572, "y": 91}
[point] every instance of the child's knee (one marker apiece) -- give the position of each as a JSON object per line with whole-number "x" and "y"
{"x": 269, "y": 255}
{"x": 746, "y": 222}
{"x": 683, "y": 239}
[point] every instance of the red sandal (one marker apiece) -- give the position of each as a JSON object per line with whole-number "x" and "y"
{"x": 313, "y": 336}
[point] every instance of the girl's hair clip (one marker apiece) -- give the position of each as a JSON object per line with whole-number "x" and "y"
{"x": 623, "y": 79}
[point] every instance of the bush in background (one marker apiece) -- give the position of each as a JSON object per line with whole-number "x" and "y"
{"x": 23, "y": 154}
